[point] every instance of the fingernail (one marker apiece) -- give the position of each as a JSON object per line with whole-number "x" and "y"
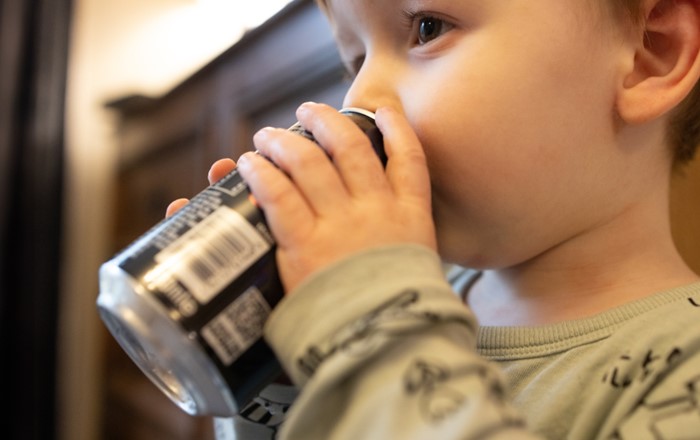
{"x": 243, "y": 161}
{"x": 264, "y": 131}
{"x": 262, "y": 134}
{"x": 384, "y": 110}
{"x": 305, "y": 107}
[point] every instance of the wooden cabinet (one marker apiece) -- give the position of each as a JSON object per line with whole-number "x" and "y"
{"x": 166, "y": 147}
{"x": 685, "y": 212}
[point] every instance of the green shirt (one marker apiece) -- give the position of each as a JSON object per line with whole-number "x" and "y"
{"x": 632, "y": 372}
{"x": 381, "y": 347}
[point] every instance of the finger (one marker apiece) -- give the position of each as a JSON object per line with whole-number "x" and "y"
{"x": 286, "y": 210}
{"x": 349, "y": 148}
{"x": 219, "y": 169}
{"x": 307, "y": 165}
{"x": 175, "y": 206}
{"x": 407, "y": 166}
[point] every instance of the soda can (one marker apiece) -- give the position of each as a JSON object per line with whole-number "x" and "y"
{"x": 187, "y": 301}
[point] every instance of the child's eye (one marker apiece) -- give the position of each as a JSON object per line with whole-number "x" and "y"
{"x": 425, "y": 27}
{"x": 429, "y": 28}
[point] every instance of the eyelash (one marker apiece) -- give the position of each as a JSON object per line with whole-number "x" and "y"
{"x": 414, "y": 21}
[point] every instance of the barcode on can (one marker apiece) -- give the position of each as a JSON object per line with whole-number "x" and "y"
{"x": 238, "y": 326}
{"x": 213, "y": 253}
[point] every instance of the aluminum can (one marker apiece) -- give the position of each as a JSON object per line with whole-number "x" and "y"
{"x": 187, "y": 301}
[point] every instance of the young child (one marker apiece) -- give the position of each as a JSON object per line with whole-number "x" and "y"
{"x": 532, "y": 142}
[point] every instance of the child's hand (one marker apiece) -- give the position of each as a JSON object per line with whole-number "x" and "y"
{"x": 321, "y": 211}
{"x": 218, "y": 170}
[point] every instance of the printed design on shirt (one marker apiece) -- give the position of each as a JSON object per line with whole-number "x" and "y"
{"x": 265, "y": 412}
{"x": 439, "y": 393}
{"x": 431, "y": 382}
{"x": 397, "y": 316}
{"x": 629, "y": 369}
{"x": 665, "y": 417}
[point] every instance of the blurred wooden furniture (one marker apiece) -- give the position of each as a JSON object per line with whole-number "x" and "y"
{"x": 685, "y": 212}
{"x": 166, "y": 147}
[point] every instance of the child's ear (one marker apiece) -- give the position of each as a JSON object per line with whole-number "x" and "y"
{"x": 666, "y": 62}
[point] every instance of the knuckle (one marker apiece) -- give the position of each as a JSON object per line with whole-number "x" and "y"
{"x": 415, "y": 156}
{"x": 306, "y": 159}
{"x": 349, "y": 143}
{"x": 275, "y": 193}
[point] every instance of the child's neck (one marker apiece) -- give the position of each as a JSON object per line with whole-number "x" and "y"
{"x": 629, "y": 258}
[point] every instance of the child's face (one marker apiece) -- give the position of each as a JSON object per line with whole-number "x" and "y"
{"x": 514, "y": 104}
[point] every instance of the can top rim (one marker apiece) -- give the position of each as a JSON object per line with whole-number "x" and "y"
{"x": 359, "y": 110}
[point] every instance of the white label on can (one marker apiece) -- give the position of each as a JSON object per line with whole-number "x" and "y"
{"x": 224, "y": 429}
{"x": 213, "y": 253}
{"x": 238, "y": 326}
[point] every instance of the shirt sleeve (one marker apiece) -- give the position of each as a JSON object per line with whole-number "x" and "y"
{"x": 382, "y": 348}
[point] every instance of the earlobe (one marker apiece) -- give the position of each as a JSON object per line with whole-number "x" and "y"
{"x": 666, "y": 62}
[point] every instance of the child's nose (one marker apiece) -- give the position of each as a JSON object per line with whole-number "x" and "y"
{"x": 373, "y": 87}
